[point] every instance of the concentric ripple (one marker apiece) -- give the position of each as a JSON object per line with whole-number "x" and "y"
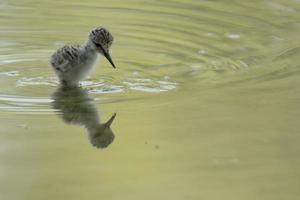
{"x": 158, "y": 48}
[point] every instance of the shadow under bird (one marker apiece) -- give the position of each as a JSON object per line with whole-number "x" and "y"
{"x": 74, "y": 63}
{"x": 75, "y": 106}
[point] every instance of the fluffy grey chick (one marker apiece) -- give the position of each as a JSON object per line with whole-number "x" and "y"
{"x": 73, "y": 63}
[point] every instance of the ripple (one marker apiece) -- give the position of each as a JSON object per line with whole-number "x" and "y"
{"x": 9, "y": 73}
{"x": 149, "y": 85}
{"x": 280, "y": 7}
{"x": 233, "y": 36}
{"x": 2, "y": 62}
{"x": 26, "y": 81}
{"x": 22, "y": 104}
{"x": 107, "y": 89}
{"x": 199, "y": 39}
{"x": 105, "y": 85}
{"x": 22, "y": 99}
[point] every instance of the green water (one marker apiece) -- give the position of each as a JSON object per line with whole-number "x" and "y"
{"x": 206, "y": 95}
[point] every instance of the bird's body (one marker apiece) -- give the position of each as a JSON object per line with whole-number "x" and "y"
{"x": 73, "y": 63}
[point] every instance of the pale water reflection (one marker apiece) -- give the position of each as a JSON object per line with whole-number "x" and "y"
{"x": 77, "y": 107}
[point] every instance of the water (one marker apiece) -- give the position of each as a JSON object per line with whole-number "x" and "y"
{"x": 206, "y": 95}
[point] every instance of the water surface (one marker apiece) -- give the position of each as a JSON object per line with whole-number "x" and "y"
{"x": 206, "y": 95}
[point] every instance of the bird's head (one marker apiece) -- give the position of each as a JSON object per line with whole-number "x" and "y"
{"x": 101, "y": 135}
{"x": 102, "y": 39}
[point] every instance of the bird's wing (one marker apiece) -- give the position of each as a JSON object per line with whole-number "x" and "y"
{"x": 66, "y": 57}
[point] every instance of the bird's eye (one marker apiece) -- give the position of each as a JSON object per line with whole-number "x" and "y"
{"x": 100, "y": 46}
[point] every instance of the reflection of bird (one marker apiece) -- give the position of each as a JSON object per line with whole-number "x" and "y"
{"x": 73, "y": 63}
{"x": 76, "y": 107}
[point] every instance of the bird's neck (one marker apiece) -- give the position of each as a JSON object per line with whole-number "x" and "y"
{"x": 89, "y": 47}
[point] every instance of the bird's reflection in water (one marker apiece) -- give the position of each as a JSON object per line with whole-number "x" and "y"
{"x": 77, "y": 107}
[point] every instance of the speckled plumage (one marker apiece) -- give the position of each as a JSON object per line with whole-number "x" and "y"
{"x": 74, "y": 62}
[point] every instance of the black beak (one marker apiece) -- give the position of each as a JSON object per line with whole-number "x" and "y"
{"x": 110, "y": 121}
{"x": 107, "y": 56}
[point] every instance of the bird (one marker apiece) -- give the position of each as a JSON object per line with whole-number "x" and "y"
{"x": 73, "y": 63}
{"x": 76, "y": 107}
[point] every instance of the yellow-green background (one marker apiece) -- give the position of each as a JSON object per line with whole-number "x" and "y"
{"x": 229, "y": 130}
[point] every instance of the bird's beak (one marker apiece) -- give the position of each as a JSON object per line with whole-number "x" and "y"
{"x": 110, "y": 121}
{"x": 108, "y": 57}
